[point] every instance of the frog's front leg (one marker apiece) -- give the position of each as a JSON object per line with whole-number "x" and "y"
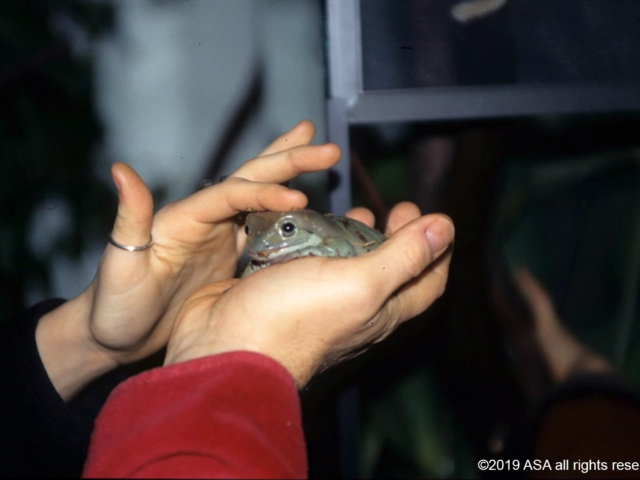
{"x": 329, "y": 247}
{"x": 337, "y": 247}
{"x": 249, "y": 269}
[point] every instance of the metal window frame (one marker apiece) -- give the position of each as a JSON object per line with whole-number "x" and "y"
{"x": 345, "y": 86}
{"x": 450, "y": 103}
{"x": 349, "y": 104}
{"x": 464, "y": 103}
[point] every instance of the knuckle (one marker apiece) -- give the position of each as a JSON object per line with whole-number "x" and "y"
{"x": 389, "y": 323}
{"x": 290, "y": 154}
{"x": 235, "y": 181}
{"x": 363, "y": 290}
{"x": 126, "y": 221}
{"x": 415, "y": 258}
{"x": 406, "y": 307}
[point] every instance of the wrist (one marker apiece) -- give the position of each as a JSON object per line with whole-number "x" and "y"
{"x": 300, "y": 370}
{"x": 70, "y": 357}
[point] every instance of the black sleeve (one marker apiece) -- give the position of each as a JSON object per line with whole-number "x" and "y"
{"x": 40, "y": 434}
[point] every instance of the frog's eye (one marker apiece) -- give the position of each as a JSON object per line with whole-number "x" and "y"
{"x": 246, "y": 229}
{"x": 287, "y": 229}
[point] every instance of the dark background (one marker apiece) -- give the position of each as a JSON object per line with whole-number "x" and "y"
{"x": 559, "y": 195}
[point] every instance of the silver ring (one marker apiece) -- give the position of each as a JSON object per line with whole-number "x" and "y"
{"x": 129, "y": 248}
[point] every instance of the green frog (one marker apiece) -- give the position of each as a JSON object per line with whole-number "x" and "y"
{"x": 277, "y": 237}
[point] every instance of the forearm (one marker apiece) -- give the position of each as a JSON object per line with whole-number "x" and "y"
{"x": 72, "y": 360}
{"x": 228, "y": 415}
{"x": 41, "y": 434}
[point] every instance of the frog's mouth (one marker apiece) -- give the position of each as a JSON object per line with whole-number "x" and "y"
{"x": 264, "y": 258}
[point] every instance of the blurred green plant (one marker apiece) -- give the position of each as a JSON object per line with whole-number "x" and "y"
{"x": 550, "y": 220}
{"x": 49, "y": 130}
{"x": 411, "y": 432}
{"x": 560, "y": 178}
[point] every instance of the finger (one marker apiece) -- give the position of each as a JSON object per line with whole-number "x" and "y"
{"x": 135, "y": 207}
{"x": 420, "y": 293}
{"x": 535, "y": 295}
{"x": 235, "y": 195}
{"x": 407, "y": 253}
{"x": 301, "y": 134}
{"x": 363, "y": 215}
{"x": 400, "y": 215}
{"x": 282, "y": 166}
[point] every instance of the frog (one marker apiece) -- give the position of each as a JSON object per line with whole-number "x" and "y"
{"x": 278, "y": 237}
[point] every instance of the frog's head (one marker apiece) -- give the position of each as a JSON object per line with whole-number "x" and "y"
{"x": 274, "y": 237}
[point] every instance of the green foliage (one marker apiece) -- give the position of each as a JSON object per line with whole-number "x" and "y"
{"x": 392, "y": 179}
{"x": 551, "y": 220}
{"x": 411, "y": 432}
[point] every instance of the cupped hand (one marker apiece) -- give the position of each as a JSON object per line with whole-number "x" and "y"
{"x": 126, "y": 312}
{"x": 311, "y": 313}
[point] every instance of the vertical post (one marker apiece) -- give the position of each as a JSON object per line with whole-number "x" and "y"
{"x": 338, "y": 133}
{"x": 345, "y": 84}
{"x": 344, "y": 49}
{"x": 348, "y": 410}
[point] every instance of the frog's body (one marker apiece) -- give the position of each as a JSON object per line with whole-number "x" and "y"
{"x": 276, "y": 237}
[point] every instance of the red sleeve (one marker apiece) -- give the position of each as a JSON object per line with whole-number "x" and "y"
{"x": 230, "y": 415}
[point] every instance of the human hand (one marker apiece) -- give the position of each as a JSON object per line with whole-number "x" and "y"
{"x": 563, "y": 352}
{"x": 126, "y": 312}
{"x": 312, "y": 313}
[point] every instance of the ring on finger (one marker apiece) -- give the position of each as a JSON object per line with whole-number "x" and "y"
{"x": 130, "y": 248}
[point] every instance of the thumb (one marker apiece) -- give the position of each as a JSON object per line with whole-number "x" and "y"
{"x": 408, "y": 252}
{"x": 135, "y": 207}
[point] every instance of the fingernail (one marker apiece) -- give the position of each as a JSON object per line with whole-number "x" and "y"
{"x": 440, "y": 235}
